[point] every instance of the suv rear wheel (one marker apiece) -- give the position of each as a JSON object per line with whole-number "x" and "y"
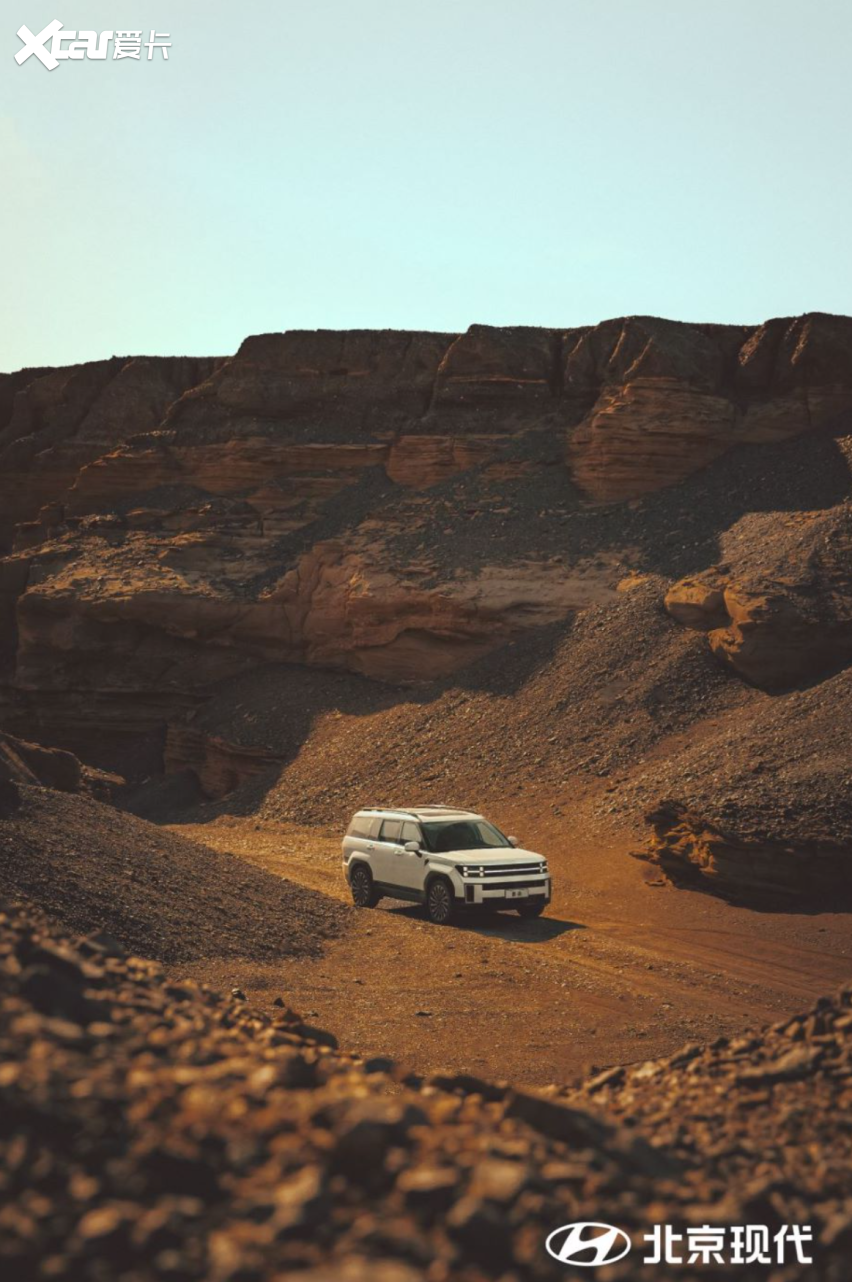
{"x": 364, "y": 893}
{"x": 440, "y": 905}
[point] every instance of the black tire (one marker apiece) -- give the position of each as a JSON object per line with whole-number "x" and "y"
{"x": 533, "y": 909}
{"x": 440, "y": 902}
{"x": 364, "y": 894}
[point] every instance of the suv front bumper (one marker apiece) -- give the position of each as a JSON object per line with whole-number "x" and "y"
{"x": 519, "y": 892}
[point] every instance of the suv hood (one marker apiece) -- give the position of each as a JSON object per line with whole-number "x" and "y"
{"x": 487, "y": 858}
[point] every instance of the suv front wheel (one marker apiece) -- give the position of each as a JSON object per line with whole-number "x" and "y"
{"x": 364, "y": 894}
{"x": 534, "y": 909}
{"x": 440, "y": 906}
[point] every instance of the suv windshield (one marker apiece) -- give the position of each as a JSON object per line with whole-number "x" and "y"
{"x": 462, "y": 834}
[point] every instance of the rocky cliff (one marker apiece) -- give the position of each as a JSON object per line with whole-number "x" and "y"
{"x": 399, "y": 507}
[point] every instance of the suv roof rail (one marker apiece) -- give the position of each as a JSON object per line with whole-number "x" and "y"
{"x": 456, "y": 809}
{"x": 416, "y": 810}
{"x": 396, "y": 810}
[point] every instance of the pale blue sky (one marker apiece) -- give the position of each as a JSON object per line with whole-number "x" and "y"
{"x": 338, "y": 163}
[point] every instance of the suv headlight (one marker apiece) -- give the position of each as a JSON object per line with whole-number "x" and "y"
{"x": 469, "y": 871}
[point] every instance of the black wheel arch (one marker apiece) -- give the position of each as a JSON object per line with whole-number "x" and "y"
{"x": 436, "y": 875}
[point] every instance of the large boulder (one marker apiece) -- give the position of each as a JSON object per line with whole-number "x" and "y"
{"x": 31, "y": 763}
{"x": 780, "y": 610}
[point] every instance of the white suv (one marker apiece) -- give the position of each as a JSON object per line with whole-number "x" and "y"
{"x": 441, "y": 857}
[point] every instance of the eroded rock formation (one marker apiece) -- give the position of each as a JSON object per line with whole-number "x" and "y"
{"x": 693, "y": 850}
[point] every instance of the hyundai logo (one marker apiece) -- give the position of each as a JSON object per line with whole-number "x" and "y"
{"x": 588, "y": 1244}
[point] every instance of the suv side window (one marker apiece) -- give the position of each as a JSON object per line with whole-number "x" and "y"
{"x": 359, "y": 827}
{"x": 390, "y": 830}
{"x": 411, "y": 832}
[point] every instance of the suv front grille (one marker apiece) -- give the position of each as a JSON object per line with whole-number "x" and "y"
{"x": 487, "y": 871}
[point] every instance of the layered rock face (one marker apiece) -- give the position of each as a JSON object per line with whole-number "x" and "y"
{"x": 670, "y": 398}
{"x": 389, "y": 504}
{"x": 52, "y": 422}
{"x": 636, "y": 403}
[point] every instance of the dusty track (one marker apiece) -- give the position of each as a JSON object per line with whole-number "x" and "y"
{"x": 620, "y": 969}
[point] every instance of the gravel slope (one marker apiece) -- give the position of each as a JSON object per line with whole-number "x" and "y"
{"x": 93, "y": 868}
{"x": 568, "y": 708}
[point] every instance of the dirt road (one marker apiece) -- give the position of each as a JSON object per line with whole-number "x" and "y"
{"x": 621, "y": 968}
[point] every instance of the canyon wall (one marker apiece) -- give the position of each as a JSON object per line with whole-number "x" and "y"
{"x": 392, "y": 504}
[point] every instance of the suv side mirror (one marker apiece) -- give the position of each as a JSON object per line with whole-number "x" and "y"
{"x": 513, "y": 841}
{"x": 412, "y": 847}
